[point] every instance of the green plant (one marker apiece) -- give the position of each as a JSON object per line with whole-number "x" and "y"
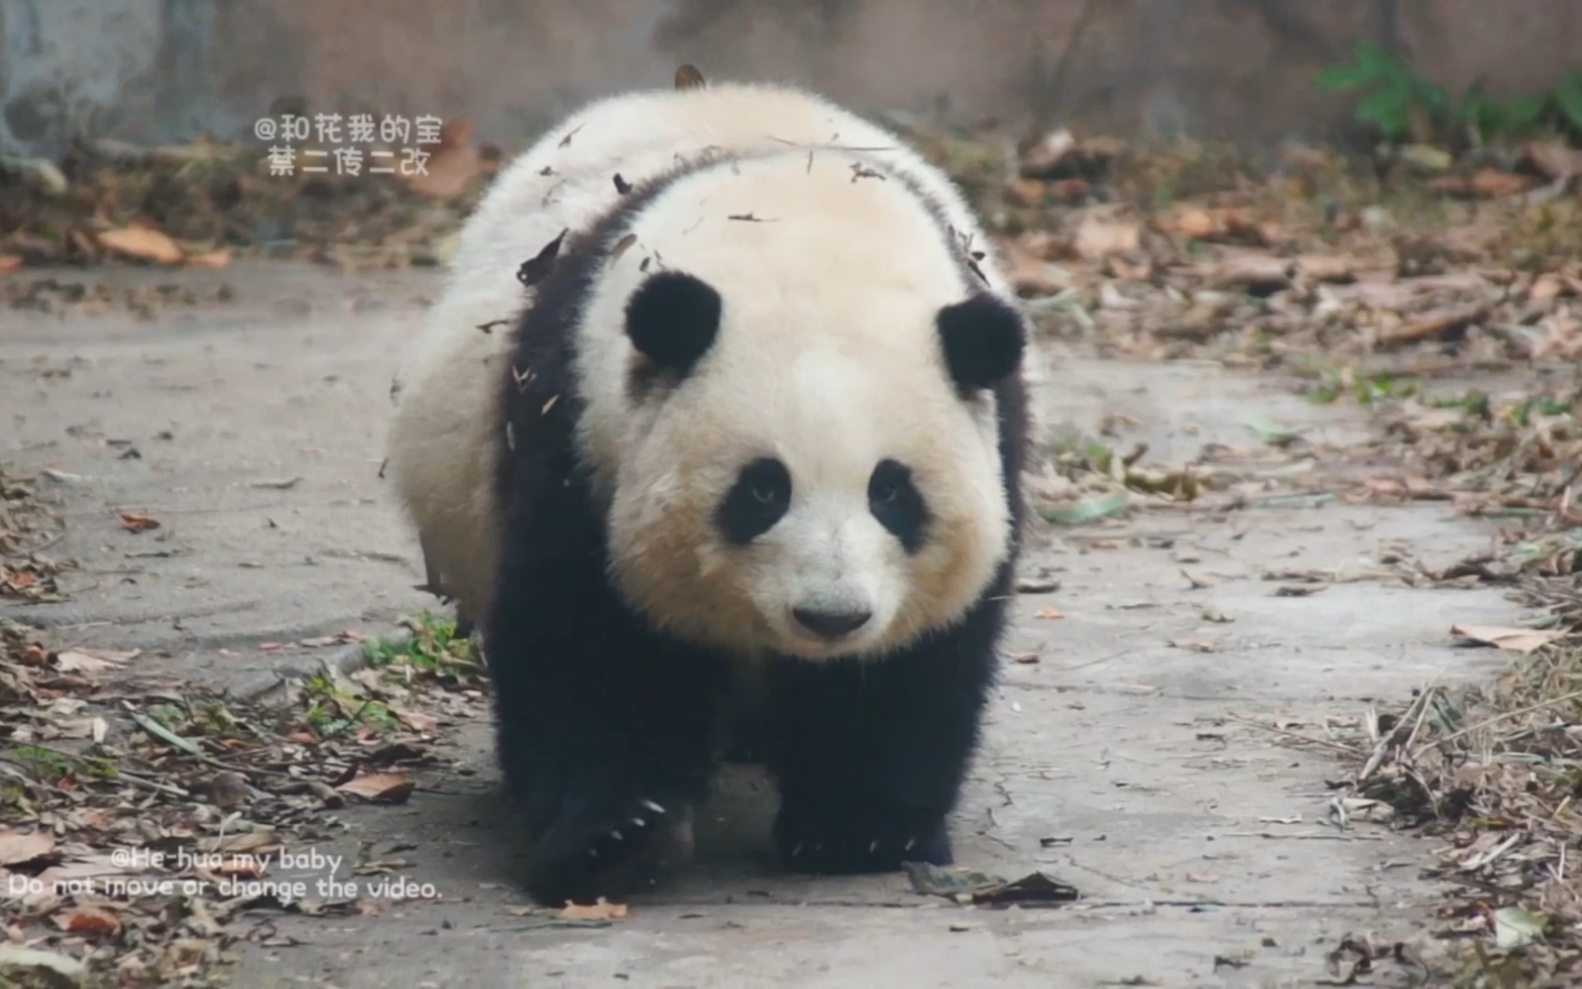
{"x": 1484, "y": 119}
{"x": 1398, "y": 98}
{"x": 1568, "y": 100}
{"x": 432, "y": 646}
{"x": 1401, "y": 105}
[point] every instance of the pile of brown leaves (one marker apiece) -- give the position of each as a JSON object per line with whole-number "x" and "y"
{"x": 139, "y": 824}
{"x": 1494, "y": 771}
{"x": 1456, "y": 314}
{"x": 200, "y": 205}
{"x": 27, "y": 529}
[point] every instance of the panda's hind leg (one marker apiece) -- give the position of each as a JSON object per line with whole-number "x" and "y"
{"x": 870, "y": 757}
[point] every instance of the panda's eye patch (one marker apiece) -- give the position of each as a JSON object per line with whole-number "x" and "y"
{"x": 760, "y": 497}
{"x": 894, "y": 500}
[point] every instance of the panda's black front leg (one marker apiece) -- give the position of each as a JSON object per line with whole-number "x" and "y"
{"x": 870, "y": 757}
{"x": 605, "y": 740}
{"x": 605, "y": 731}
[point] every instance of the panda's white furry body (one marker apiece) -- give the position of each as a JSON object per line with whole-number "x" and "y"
{"x": 762, "y": 410}
{"x": 443, "y": 442}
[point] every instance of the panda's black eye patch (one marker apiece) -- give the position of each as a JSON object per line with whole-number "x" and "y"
{"x": 894, "y": 500}
{"x": 760, "y": 497}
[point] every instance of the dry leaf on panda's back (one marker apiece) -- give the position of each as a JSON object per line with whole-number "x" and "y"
{"x": 688, "y": 77}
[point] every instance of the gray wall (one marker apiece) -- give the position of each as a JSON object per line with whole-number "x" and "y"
{"x": 159, "y": 71}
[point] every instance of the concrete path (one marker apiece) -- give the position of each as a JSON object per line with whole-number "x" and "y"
{"x": 1118, "y": 761}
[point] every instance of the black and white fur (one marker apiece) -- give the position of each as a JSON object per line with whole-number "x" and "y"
{"x": 757, "y": 440}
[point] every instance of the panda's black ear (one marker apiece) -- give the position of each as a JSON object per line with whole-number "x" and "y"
{"x": 983, "y": 339}
{"x": 672, "y": 319}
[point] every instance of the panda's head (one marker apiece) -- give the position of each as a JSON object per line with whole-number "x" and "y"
{"x": 804, "y": 459}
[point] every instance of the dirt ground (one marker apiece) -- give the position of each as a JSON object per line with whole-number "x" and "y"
{"x": 1135, "y": 750}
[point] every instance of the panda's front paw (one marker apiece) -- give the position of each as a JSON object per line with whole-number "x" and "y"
{"x": 842, "y": 844}
{"x": 608, "y": 848}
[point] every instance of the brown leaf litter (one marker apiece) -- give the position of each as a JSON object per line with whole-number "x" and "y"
{"x": 28, "y": 528}
{"x": 203, "y": 204}
{"x": 138, "y": 852}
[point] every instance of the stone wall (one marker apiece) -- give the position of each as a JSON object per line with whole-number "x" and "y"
{"x": 156, "y": 71}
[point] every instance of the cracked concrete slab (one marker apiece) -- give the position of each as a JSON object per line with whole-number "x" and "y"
{"x": 1121, "y": 761}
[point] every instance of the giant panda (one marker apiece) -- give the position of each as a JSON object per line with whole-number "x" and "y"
{"x": 717, "y": 429}
{"x": 442, "y": 444}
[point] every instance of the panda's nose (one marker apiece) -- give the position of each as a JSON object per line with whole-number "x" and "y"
{"x": 829, "y": 624}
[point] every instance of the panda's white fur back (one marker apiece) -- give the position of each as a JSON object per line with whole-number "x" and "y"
{"x": 444, "y": 438}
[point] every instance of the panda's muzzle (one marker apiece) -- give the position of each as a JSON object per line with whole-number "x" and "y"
{"x": 832, "y": 625}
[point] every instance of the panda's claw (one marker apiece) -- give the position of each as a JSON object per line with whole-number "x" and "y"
{"x": 832, "y": 843}
{"x": 609, "y": 847}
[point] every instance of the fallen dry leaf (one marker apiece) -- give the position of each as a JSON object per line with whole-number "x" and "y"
{"x": 1188, "y": 222}
{"x": 1031, "y": 274}
{"x": 1488, "y": 183}
{"x": 137, "y": 523}
{"x": 251, "y": 841}
{"x": 1258, "y": 272}
{"x": 210, "y": 259}
{"x": 415, "y": 720}
{"x": 144, "y": 243}
{"x": 88, "y": 920}
{"x": 1502, "y": 637}
{"x": 1027, "y": 192}
{"x": 1101, "y": 234}
{"x": 1326, "y": 267}
{"x": 1042, "y": 161}
{"x": 390, "y": 788}
{"x": 1434, "y": 325}
{"x": 14, "y": 956}
{"x": 82, "y": 661}
{"x": 602, "y": 910}
{"x": 451, "y": 166}
{"x": 1553, "y": 158}
{"x": 17, "y": 847}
